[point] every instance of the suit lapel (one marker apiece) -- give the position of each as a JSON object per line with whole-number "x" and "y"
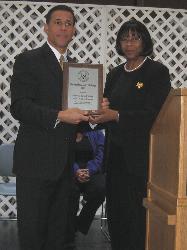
{"x": 53, "y": 68}
{"x": 51, "y": 61}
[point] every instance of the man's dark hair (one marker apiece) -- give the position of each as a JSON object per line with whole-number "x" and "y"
{"x": 62, "y": 8}
{"x": 138, "y": 28}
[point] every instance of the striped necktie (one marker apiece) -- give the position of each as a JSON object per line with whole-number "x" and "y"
{"x": 61, "y": 61}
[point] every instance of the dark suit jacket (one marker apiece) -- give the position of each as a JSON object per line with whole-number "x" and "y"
{"x": 138, "y": 96}
{"x": 36, "y": 95}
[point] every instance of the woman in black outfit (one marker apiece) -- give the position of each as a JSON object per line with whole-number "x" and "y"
{"x": 136, "y": 90}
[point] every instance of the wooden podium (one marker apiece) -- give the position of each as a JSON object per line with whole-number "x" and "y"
{"x": 166, "y": 201}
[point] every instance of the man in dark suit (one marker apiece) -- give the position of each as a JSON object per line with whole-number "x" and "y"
{"x": 44, "y": 146}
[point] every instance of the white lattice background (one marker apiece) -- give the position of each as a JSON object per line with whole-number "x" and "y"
{"x": 8, "y": 206}
{"x": 21, "y": 28}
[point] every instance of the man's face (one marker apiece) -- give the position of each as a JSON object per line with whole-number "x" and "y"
{"x": 60, "y": 29}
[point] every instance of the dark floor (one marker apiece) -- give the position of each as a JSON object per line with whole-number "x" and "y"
{"x": 95, "y": 240}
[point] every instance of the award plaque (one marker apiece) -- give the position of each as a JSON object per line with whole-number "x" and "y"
{"x": 82, "y": 86}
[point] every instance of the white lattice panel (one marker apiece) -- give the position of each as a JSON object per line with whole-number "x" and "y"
{"x": 8, "y": 207}
{"x": 21, "y": 28}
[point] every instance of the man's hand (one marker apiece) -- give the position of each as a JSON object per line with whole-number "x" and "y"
{"x": 82, "y": 175}
{"x": 105, "y": 115}
{"x": 73, "y": 116}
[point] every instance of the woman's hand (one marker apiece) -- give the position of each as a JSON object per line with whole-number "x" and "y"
{"x": 105, "y": 115}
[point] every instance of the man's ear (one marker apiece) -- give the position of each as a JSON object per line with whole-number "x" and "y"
{"x": 46, "y": 28}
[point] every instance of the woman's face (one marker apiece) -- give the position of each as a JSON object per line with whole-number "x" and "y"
{"x": 131, "y": 45}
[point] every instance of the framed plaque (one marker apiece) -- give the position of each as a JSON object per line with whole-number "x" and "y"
{"x": 82, "y": 86}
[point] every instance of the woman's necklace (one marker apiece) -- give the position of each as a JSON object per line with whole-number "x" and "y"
{"x": 130, "y": 70}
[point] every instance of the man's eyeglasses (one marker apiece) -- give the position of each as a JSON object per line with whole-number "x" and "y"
{"x": 67, "y": 24}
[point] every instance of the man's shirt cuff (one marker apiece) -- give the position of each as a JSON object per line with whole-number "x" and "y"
{"x": 57, "y": 122}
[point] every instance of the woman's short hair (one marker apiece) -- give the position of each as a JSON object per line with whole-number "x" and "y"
{"x": 138, "y": 28}
{"x": 62, "y": 8}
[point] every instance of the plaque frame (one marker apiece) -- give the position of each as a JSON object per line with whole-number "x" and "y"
{"x": 87, "y": 67}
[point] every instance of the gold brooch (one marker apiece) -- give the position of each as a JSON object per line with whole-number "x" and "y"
{"x": 139, "y": 85}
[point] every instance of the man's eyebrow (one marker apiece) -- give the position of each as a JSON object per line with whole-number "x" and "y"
{"x": 58, "y": 18}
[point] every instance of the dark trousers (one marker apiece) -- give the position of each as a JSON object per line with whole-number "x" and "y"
{"x": 125, "y": 212}
{"x": 42, "y": 207}
{"x": 94, "y": 195}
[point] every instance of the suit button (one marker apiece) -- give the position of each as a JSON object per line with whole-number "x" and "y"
{"x": 67, "y": 139}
